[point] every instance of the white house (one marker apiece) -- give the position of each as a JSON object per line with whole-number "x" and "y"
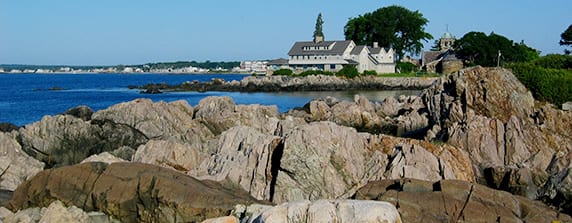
{"x": 333, "y": 55}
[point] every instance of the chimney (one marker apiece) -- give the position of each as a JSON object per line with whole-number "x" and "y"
{"x": 375, "y": 45}
{"x": 318, "y": 39}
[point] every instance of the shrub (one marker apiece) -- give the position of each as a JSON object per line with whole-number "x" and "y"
{"x": 406, "y": 67}
{"x": 285, "y": 72}
{"x": 315, "y": 72}
{"x": 348, "y": 71}
{"x": 555, "y": 61}
{"x": 552, "y": 85}
{"x": 370, "y": 72}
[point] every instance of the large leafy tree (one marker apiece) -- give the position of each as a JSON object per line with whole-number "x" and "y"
{"x": 566, "y": 38}
{"x": 392, "y": 26}
{"x": 479, "y": 49}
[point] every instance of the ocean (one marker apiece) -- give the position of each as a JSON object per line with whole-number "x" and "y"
{"x": 26, "y": 98}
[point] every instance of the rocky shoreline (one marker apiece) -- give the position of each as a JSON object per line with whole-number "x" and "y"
{"x": 474, "y": 142}
{"x": 287, "y": 84}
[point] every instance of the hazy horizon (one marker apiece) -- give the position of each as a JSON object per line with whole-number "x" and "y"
{"x": 96, "y": 33}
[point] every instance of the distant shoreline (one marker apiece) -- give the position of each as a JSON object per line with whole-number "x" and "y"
{"x": 134, "y": 73}
{"x": 291, "y": 84}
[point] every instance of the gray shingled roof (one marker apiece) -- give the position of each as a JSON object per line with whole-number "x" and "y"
{"x": 338, "y": 48}
{"x": 376, "y": 50}
{"x": 279, "y": 61}
{"x": 430, "y": 56}
{"x": 357, "y": 50}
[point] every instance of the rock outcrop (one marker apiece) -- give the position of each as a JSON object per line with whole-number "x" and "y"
{"x": 104, "y": 157}
{"x": 65, "y": 140}
{"x": 243, "y": 157}
{"x": 159, "y": 120}
{"x": 221, "y": 113}
{"x": 82, "y": 112}
{"x": 491, "y": 115}
{"x": 479, "y": 125}
{"x": 514, "y": 143}
{"x": 171, "y": 154}
{"x": 401, "y": 116}
{"x": 455, "y": 201}
{"x": 55, "y": 212}
{"x": 308, "y": 83}
{"x": 15, "y": 165}
{"x": 130, "y": 192}
{"x": 331, "y": 211}
{"x": 322, "y": 160}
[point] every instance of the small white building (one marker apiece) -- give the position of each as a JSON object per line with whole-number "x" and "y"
{"x": 128, "y": 70}
{"x": 333, "y": 55}
{"x": 253, "y": 66}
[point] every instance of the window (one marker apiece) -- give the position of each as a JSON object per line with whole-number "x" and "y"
{"x": 332, "y": 66}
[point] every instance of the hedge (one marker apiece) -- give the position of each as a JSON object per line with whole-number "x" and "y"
{"x": 552, "y": 85}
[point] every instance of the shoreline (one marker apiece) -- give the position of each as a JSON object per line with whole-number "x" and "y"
{"x": 291, "y": 84}
{"x": 130, "y": 73}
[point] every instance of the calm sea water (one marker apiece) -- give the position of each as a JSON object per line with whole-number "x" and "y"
{"x": 26, "y": 98}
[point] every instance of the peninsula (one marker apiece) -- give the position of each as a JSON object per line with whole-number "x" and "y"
{"x": 289, "y": 83}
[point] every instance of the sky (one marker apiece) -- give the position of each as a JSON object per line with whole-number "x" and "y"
{"x": 111, "y": 32}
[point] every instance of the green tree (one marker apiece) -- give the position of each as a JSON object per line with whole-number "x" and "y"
{"x": 318, "y": 29}
{"x": 393, "y": 26}
{"x": 436, "y": 45}
{"x": 566, "y": 39}
{"x": 479, "y": 49}
{"x": 406, "y": 67}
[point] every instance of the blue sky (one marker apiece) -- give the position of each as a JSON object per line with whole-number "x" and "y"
{"x": 110, "y": 32}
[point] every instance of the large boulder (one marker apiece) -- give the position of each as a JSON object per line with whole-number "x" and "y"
{"x": 360, "y": 114}
{"x": 221, "y": 113}
{"x": 171, "y": 154}
{"x": 423, "y": 160}
{"x": 454, "y": 201}
{"x": 322, "y": 160}
{"x": 104, "y": 157}
{"x": 55, "y": 212}
{"x": 82, "y": 112}
{"x": 491, "y": 92}
{"x": 331, "y": 211}
{"x": 15, "y": 165}
{"x": 130, "y": 192}
{"x": 159, "y": 120}
{"x": 65, "y": 140}
{"x": 243, "y": 156}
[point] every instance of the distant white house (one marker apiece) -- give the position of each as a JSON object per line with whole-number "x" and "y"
{"x": 334, "y": 55}
{"x": 252, "y": 66}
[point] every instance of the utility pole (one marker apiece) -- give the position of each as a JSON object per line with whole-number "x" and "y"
{"x": 498, "y": 59}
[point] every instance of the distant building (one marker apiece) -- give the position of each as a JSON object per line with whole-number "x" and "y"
{"x": 334, "y": 55}
{"x": 128, "y": 70}
{"x": 445, "y": 60}
{"x": 277, "y": 64}
{"x": 252, "y": 66}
